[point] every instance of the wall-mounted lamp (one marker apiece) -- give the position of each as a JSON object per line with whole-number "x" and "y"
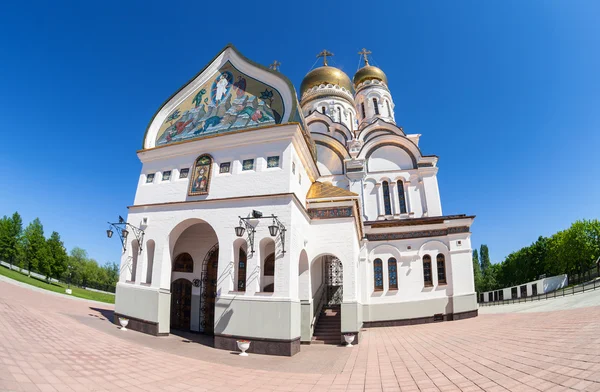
{"x": 121, "y": 228}
{"x": 275, "y": 229}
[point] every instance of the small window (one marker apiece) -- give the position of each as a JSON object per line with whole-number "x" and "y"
{"x": 183, "y": 263}
{"x": 293, "y": 167}
{"x": 224, "y": 167}
{"x": 378, "y": 274}
{"x": 387, "y": 103}
{"x": 362, "y": 108}
{"x": 273, "y": 162}
{"x": 393, "y": 273}
{"x": 386, "y": 198}
{"x": 183, "y": 173}
{"x": 248, "y": 164}
{"x": 323, "y": 109}
{"x": 441, "y": 268}
{"x": 427, "y": 278}
{"x": 375, "y": 105}
{"x": 339, "y": 114}
{"x": 150, "y": 178}
{"x": 166, "y": 175}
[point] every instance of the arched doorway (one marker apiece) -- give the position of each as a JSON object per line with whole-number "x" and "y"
{"x": 194, "y": 254}
{"x": 326, "y": 287}
{"x": 208, "y": 290}
{"x": 335, "y": 280}
{"x": 181, "y": 304}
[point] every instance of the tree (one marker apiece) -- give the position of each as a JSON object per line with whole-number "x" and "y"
{"x": 58, "y": 256}
{"x": 485, "y": 258}
{"x": 75, "y": 263}
{"x": 11, "y": 230}
{"x": 35, "y": 250}
{"x": 477, "y": 271}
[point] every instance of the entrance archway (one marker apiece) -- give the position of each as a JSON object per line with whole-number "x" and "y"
{"x": 181, "y": 304}
{"x": 326, "y": 282}
{"x": 194, "y": 268}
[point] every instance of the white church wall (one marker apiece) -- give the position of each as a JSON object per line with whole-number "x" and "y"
{"x": 237, "y": 183}
{"x": 389, "y": 158}
{"x": 431, "y": 192}
{"x": 328, "y": 162}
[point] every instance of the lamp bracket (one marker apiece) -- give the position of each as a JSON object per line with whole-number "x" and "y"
{"x": 137, "y": 232}
{"x": 250, "y": 230}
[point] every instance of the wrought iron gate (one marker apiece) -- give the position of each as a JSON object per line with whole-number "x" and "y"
{"x": 335, "y": 281}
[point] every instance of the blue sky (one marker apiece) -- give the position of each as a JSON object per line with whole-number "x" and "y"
{"x": 506, "y": 93}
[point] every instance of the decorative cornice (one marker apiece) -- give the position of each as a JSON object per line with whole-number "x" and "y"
{"x": 330, "y": 213}
{"x": 416, "y": 221}
{"x": 417, "y": 234}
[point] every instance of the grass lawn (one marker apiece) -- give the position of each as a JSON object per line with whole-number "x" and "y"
{"x": 56, "y": 287}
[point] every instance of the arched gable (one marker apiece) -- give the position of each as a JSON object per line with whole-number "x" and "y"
{"x": 377, "y": 127}
{"x": 390, "y": 152}
{"x": 321, "y": 123}
{"x": 230, "y": 94}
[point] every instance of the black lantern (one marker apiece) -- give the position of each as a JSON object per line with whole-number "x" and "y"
{"x": 125, "y": 233}
{"x": 121, "y": 229}
{"x": 273, "y": 230}
{"x": 109, "y": 233}
{"x": 239, "y": 231}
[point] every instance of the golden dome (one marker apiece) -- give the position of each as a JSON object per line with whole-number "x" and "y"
{"x": 369, "y": 72}
{"x": 325, "y": 75}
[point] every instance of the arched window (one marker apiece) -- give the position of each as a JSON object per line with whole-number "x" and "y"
{"x": 362, "y": 108}
{"x": 351, "y": 123}
{"x": 378, "y": 274}
{"x": 393, "y": 273}
{"x": 401, "y": 197}
{"x": 427, "y": 278}
{"x": 387, "y": 103}
{"x": 270, "y": 265}
{"x": 200, "y": 182}
{"x": 323, "y": 109}
{"x": 386, "y": 198}
{"x": 376, "y": 106}
{"x": 183, "y": 263}
{"x": 241, "y": 281}
{"x": 339, "y": 114}
{"x": 441, "y": 268}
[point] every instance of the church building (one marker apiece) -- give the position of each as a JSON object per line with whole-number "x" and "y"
{"x": 288, "y": 219}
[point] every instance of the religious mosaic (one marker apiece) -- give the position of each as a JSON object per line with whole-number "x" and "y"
{"x": 200, "y": 181}
{"x": 230, "y": 101}
{"x": 329, "y": 213}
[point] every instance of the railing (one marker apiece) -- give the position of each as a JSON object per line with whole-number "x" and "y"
{"x": 319, "y": 305}
{"x": 581, "y": 288}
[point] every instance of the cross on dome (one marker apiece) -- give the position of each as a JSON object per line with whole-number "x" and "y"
{"x": 364, "y": 52}
{"x": 275, "y": 66}
{"x": 324, "y": 53}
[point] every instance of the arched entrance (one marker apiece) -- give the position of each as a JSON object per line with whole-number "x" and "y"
{"x": 208, "y": 290}
{"x": 335, "y": 280}
{"x": 326, "y": 282}
{"x": 181, "y": 304}
{"x": 195, "y": 255}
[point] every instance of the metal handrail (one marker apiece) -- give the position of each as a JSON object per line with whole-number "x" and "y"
{"x": 565, "y": 291}
{"x": 322, "y": 298}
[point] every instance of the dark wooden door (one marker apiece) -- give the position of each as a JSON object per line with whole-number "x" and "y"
{"x": 210, "y": 294}
{"x": 181, "y": 304}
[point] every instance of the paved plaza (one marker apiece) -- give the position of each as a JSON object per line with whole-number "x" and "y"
{"x": 54, "y": 343}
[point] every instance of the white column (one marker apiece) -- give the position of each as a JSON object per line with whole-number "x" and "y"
{"x": 394, "y": 199}
{"x": 380, "y": 205}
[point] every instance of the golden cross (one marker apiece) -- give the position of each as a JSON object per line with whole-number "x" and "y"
{"x": 364, "y": 52}
{"x": 324, "y": 53}
{"x": 275, "y": 65}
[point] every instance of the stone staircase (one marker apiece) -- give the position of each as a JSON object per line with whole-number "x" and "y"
{"x": 329, "y": 326}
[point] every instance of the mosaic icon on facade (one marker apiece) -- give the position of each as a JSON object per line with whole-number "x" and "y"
{"x": 201, "y": 176}
{"x": 229, "y": 101}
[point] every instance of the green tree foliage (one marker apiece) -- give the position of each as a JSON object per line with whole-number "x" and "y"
{"x": 58, "y": 256}
{"x": 30, "y": 249}
{"x": 35, "y": 251}
{"x": 477, "y": 271}
{"x": 11, "y": 230}
{"x": 485, "y": 258}
{"x": 571, "y": 251}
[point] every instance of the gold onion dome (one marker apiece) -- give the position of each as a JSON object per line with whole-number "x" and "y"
{"x": 325, "y": 75}
{"x": 369, "y": 72}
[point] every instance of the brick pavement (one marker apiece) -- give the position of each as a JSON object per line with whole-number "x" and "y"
{"x": 49, "y": 343}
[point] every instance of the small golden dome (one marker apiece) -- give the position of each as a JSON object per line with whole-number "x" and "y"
{"x": 325, "y": 75}
{"x": 369, "y": 72}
